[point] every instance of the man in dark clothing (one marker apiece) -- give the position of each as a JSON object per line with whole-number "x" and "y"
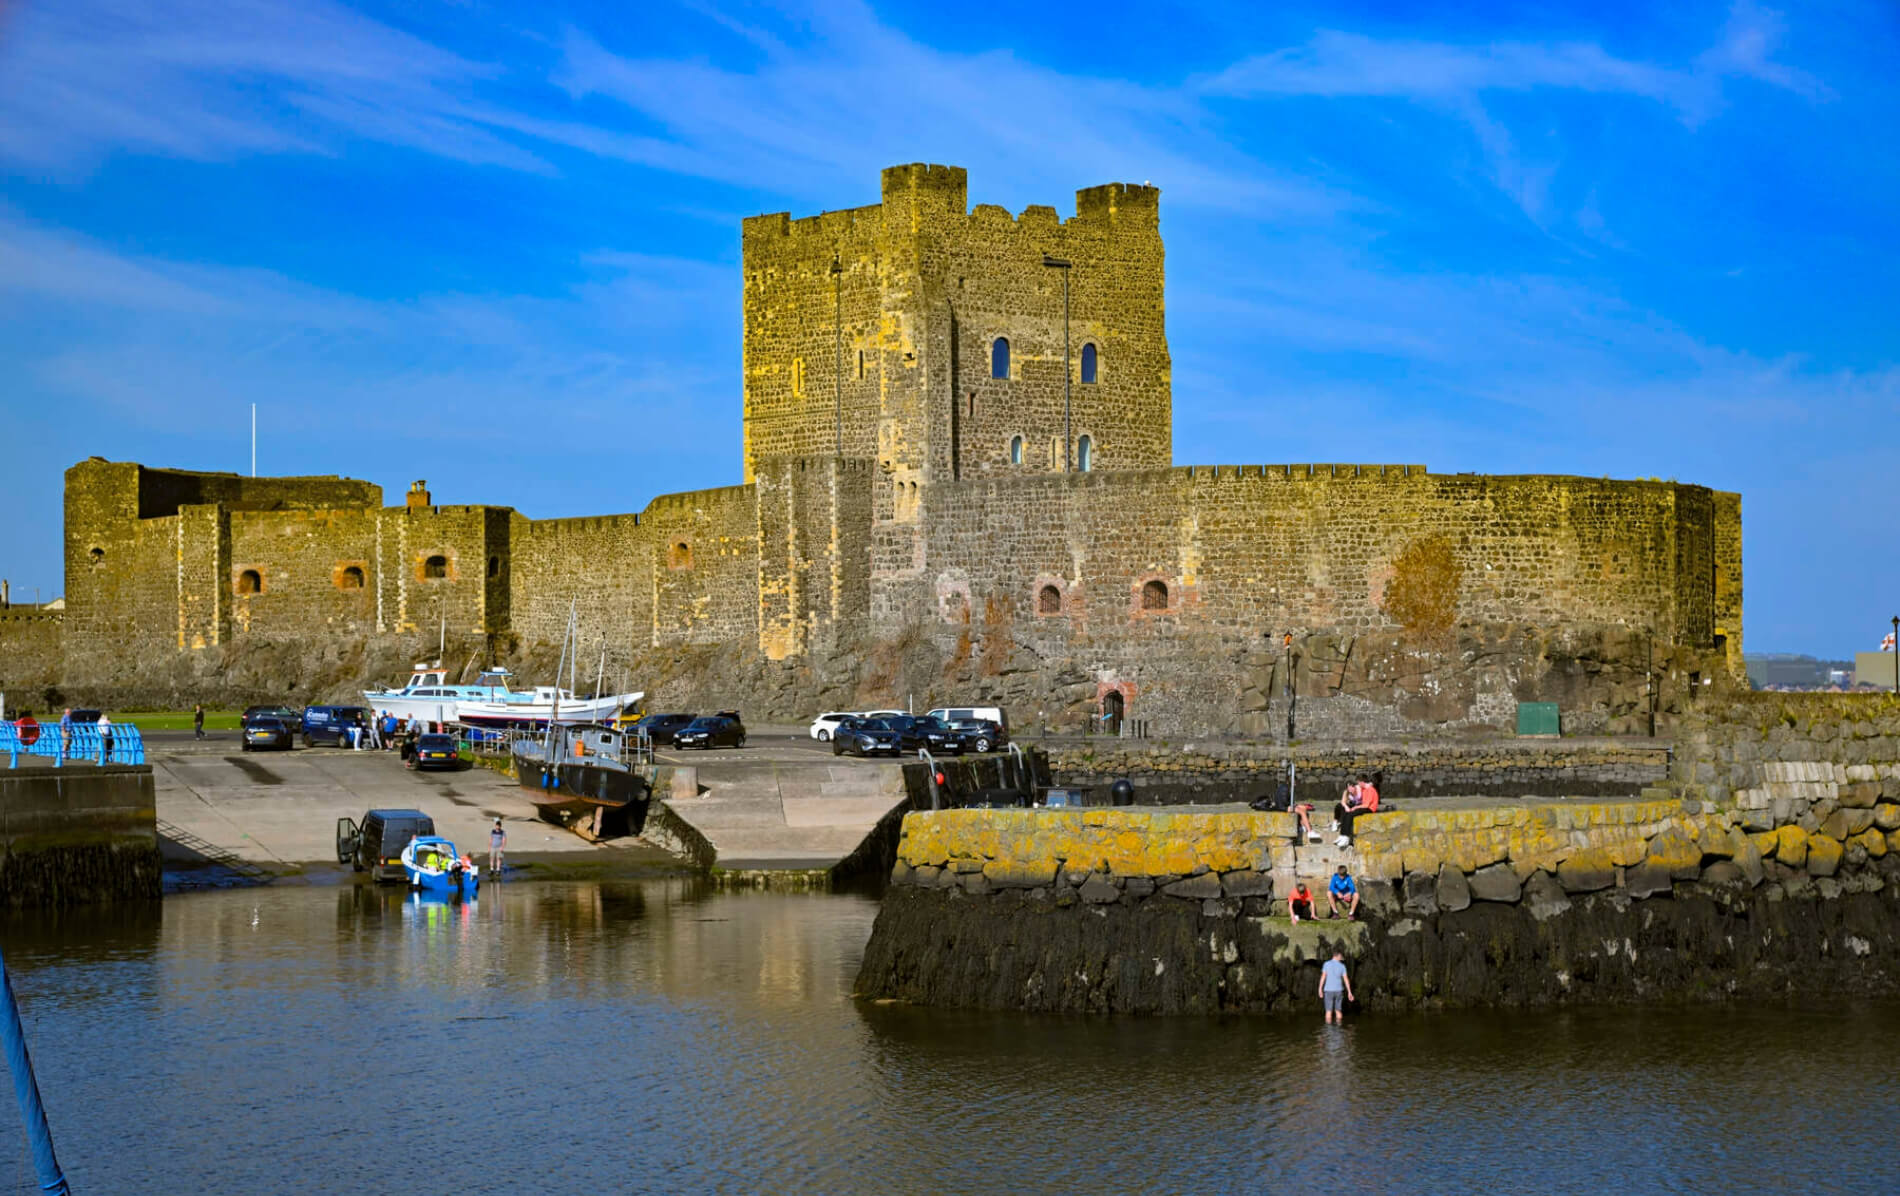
{"x": 198, "y": 721}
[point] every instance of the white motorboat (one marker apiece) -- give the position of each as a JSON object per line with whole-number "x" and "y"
{"x": 430, "y": 698}
{"x": 490, "y": 702}
{"x": 545, "y": 704}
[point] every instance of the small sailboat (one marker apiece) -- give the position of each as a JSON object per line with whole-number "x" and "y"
{"x": 433, "y": 865}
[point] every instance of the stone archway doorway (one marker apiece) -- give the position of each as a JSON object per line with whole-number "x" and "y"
{"x": 1114, "y": 706}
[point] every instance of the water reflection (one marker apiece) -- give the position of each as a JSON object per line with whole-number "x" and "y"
{"x": 661, "y": 1036}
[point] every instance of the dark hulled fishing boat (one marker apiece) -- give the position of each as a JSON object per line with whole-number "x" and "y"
{"x": 596, "y": 781}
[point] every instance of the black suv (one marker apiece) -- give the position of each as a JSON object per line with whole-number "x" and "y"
{"x": 921, "y": 731}
{"x": 864, "y": 737}
{"x": 979, "y": 734}
{"x": 661, "y": 728}
{"x": 717, "y": 730}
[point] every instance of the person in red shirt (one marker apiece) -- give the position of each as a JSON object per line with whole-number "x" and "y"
{"x": 1299, "y": 903}
{"x": 1359, "y": 798}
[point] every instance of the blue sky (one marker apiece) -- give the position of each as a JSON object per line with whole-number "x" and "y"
{"x": 496, "y": 246}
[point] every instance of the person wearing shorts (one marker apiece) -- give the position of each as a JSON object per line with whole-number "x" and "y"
{"x": 497, "y": 843}
{"x": 1335, "y": 987}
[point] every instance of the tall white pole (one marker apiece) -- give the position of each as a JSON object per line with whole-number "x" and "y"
{"x": 253, "y": 439}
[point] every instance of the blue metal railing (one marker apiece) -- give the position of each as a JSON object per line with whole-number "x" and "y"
{"x": 79, "y": 743}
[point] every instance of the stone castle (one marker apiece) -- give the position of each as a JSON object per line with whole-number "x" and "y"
{"x": 949, "y": 493}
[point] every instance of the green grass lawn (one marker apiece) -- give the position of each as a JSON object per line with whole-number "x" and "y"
{"x": 177, "y": 720}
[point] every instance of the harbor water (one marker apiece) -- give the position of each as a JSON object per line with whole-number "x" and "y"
{"x": 662, "y": 1037}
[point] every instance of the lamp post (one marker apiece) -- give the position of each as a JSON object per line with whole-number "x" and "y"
{"x": 837, "y": 344}
{"x": 1896, "y": 654}
{"x": 1064, "y": 265}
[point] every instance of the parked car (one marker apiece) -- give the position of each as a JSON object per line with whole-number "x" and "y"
{"x": 331, "y": 724}
{"x": 865, "y": 737}
{"x": 661, "y": 728}
{"x": 284, "y": 712}
{"x": 887, "y": 714}
{"x": 437, "y": 751}
{"x": 85, "y": 718}
{"x": 826, "y": 725}
{"x": 920, "y": 731}
{"x": 951, "y": 714}
{"x": 376, "y": 845}
{"x": 979, "y": 734}
{"x": 267, "y": 731}
{"x": 718, "y": 730}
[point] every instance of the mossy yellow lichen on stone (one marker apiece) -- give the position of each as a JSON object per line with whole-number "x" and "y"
{"x": 1824, "y": 855}
{"x": 1791, "y": 846}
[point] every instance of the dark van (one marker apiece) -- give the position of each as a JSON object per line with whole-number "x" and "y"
{"x": 331, "y": 724}
{"x": 376, "y": 846}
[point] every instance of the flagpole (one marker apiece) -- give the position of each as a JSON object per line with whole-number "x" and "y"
{"x": 253, "y": 439}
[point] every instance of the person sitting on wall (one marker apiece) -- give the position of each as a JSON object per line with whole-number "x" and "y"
{"x": 1341, "y": 891}
{"x": 1359, "y": 798}
{"x": 1299, "y": 903}
{"x": 1303, "y": 810}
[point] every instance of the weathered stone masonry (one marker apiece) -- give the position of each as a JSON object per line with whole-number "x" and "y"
{"x": 1776, "y": 871}
{"x": 907, "y": 526}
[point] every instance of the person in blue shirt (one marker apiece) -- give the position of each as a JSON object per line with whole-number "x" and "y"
{"x": 1341, "y": 892}
{"x": 1335, "y": 987}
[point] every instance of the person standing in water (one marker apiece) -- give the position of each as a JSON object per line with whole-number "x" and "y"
{"x": 497, "y": 842}
{"x": 1335, "y": 988}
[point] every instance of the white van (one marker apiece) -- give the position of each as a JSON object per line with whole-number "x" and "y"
{"x": 993, "y": 713}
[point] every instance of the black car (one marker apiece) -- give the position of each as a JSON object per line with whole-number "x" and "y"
{"x": 376, "y": 846}
{"x": 661, "y": 728}
{"x": 718, "y": 730}
{"x": 266, "y": 731}
{"x": 437, "y": 751}
{"x": 979, "y": 734}
{"x": 290, "y": 717}
{"x": 921, "y": 731}
{"x": 865, "y": 737}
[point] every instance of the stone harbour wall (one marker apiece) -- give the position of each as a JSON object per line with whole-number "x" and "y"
{"x": 78, "y": 835}
{"x": 1164, "y": 911}
{"x": 1215, "y": 772}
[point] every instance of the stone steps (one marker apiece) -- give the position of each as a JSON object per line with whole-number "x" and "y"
{"x": 779, "y": 815}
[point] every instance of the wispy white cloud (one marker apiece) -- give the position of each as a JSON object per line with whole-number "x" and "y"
{"x": 214, "y": 79}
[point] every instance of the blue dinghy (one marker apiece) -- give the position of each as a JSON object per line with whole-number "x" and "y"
{"x": 434, "y": 866}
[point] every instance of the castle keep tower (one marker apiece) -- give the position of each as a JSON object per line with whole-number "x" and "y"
{"x": 933, "y": 335}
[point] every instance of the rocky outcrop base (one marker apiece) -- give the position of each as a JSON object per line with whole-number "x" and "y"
{"x": 1058, "y": 948}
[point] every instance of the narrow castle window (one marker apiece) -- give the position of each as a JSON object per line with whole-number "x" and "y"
{"x": 1049, "y": 601}
{"x": 351, "y": 578}
{"x": 494, "y": 566}
{"x": 435, "y": 568}
{"x": 1088, "y": 364}
{"x": 1015, "y": 450}
{"x": 999, "y": 358}
{"x": 798, "y": 377}
{"x": 860, "y": 363}
{"x": 1084, "y": 454}
{"x": 1154, "y": 596}
{"x": 679, "y": 555}
{"x": 250, "y": 582}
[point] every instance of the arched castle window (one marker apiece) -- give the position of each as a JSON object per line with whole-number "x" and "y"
{"x": 1049, "y": 601}
{"x": 1015, "y": 450}
{"x": 435, "y": 568}
{"x": 1088, "y": 364}
{"x": 1084, "y": 454}
{"x": 999, "y": 357}
{"x": 1154, "y": 596}
{"x": 96, "y": 555}
{"x": 494, "y": 566}
{"x": 351, "y": 578}
{"x": 250, "y": 582}
{"x": 679, "y": 555}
